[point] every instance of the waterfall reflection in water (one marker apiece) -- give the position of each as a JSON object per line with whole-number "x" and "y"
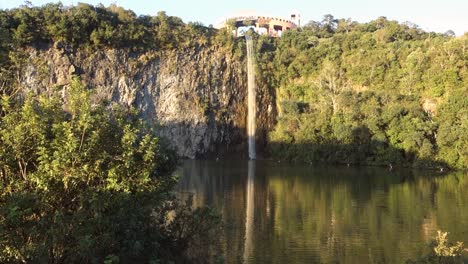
{"x": 286, "y": 213}
{"x": 250, "y": 208}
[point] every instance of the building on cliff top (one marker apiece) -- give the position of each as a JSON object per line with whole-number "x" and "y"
{"x": 271, "y": 26}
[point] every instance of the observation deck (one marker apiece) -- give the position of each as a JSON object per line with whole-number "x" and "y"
{"x": 271, "y": 26}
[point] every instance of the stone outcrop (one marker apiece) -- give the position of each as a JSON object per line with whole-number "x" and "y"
{"x": 196, "y": 97}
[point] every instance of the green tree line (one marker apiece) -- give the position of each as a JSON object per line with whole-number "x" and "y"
{"x": 85, "y": 25}
{"x": 368, "y": 93}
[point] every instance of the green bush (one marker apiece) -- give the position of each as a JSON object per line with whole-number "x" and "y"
{"x": 89, "y": 184}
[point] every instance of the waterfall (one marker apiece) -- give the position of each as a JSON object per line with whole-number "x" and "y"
{"x": 252, "y": 108}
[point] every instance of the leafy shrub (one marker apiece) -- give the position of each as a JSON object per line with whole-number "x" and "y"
{"x": 84, "y": 183}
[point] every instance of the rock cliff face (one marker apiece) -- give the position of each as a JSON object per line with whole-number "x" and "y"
{"x": 196, "y": 97}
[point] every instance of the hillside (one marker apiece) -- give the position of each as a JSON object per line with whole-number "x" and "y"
{"x": 334, "y": 91}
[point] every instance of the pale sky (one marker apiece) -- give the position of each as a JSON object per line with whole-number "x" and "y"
{"x": 430, "y": 15}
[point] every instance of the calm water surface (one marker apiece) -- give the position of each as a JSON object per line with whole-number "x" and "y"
{"x": 286, "y": 213}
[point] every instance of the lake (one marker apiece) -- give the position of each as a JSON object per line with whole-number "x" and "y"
{"x": 290, "y": 213}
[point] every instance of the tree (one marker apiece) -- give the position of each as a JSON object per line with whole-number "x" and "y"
{"x": 91, "y": 184}
{"x": 329, "y": 23}
{"x": 449, "y": 33}
{"x": 330, "y": 82}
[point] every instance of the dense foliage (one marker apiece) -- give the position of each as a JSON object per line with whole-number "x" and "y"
{"x": 85, "y": 25}
{"x": 373, "y": 93}
{"x": 91, "y": 184}
{"x": 88, "y": 28}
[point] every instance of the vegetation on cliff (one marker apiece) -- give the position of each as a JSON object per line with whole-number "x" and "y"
{"x": 85, "y": 25}
{"x": 84, "y": 183}
{"x": 374, "y": 93}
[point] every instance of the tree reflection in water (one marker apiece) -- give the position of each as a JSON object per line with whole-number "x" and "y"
{"x": 309, "y": 214}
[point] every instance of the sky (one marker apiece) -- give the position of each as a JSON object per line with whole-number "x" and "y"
{"x": 430, "y": 15}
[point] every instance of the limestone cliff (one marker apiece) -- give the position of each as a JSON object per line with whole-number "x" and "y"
{"x": 196, "y": 97}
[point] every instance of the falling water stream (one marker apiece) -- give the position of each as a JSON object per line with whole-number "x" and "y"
{"x": 252, "y": 113}
{"x": 251, "y": 116}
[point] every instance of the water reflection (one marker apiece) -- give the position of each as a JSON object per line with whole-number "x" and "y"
{"x": 249, "y": 215}
{"x": 276, "y": 213}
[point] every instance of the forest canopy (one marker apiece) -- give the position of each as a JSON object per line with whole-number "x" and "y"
{"x": 376, "y": 93}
